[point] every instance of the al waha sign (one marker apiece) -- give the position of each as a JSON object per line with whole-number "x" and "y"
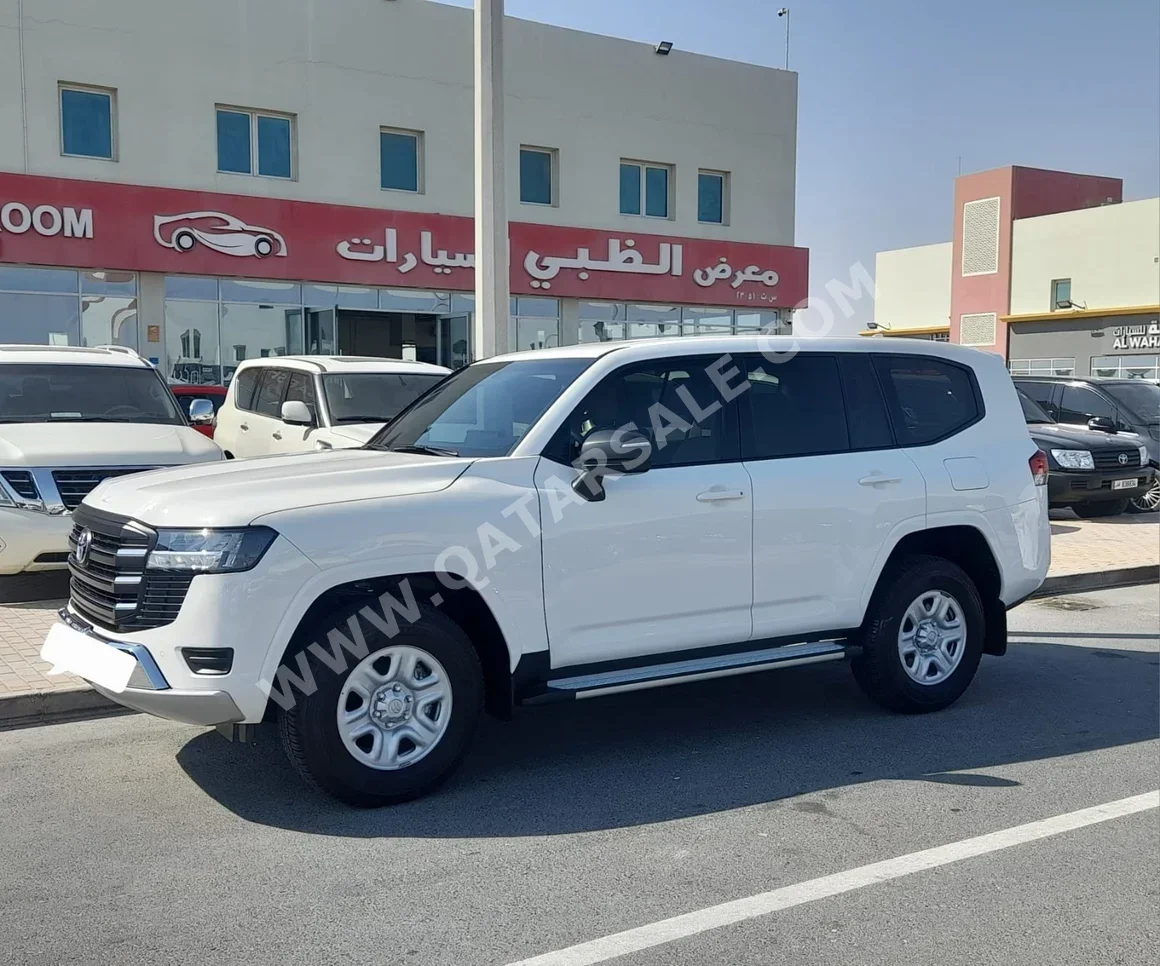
{"x": 91, "y": 224}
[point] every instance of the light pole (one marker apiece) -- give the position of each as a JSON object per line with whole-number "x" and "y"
{"x": 784, "y": 12}
{"x": 492, "y": 299}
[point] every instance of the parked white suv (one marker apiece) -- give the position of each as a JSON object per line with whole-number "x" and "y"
{"x": 71, "y": 417}
{"x": 570, "y": 523}
{"x": 296, "y": 404}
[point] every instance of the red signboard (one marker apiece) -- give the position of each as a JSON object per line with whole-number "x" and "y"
{"x": 90, "y": 224}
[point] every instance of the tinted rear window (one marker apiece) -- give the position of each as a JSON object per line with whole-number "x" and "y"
{"x": 930, "y": 399}
{"x": 795, "y": 408}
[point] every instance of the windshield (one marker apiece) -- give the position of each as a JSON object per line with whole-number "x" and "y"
{"x": 1032, "y": 411}
{"x": 1141, "y": 399}
{"x": 483, "y": 410}
{"x": 68, "y": 393}
{"x": 373, "y": 397}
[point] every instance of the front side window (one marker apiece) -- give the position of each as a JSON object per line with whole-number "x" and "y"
{"x": 929, "y": 398}
{"x": 644, "y": 189}
{"x": 1043, "y": 394}
{"x": 711, "y": 197}
{"x": 254, "y": 142}
{"x": 399, "y": 160}
{"x": 1079, "y": 404}
{"x": 32, "y": 393}
{"x": 675, "y": 402}
{"x": 536, "y": 180}
{"x": 483, "y": 410}
{"x": 794, "y": 408}
{"x": 373, "y": 397}
{"x": 1140, "y": 399}
{"x": 86, "y": 122}
{"x": 244, "y": 387}
{"x": 301, "y": 389}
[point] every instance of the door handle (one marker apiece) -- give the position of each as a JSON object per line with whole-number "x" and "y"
{"x": 720, "y": 496}
{"x": 877, "y": 480}
{"x": 276, "y": 434}
{"x": 244, "y": 427}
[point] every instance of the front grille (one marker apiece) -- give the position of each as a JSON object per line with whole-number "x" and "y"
{"x": 111, "y": 588}
{"x": 1110, "y": 459}
{"x": 75, "y": 485}
{"x": 22, "y": 483}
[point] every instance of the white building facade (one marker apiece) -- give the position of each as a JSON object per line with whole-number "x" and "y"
{"x": 217, "y": 181}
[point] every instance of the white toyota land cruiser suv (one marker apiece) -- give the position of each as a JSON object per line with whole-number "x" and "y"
{"x": 71, "y": 417}
{"x": 569, "y": 523}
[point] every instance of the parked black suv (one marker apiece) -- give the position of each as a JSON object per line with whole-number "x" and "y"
{"x": 1128, "y": 406}
{"x": 1095, "y": 473}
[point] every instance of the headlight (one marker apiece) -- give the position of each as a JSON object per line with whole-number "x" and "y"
{"x": 1074, "y": 459}
{"x": 1143, "y": 455}
{"x": 210, "y": 551}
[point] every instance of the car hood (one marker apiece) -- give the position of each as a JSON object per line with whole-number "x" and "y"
{"x": 1081, "y": 437}
{"x": 356, "y": 432}
{"x": 235, "y": 493}
{"x": 103, "y": 444}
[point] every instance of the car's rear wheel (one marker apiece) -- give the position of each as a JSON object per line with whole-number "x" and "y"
{"x": 923, "y": 636}
{"x": 263, "y": 246}
{"x": 184, "y": 241}
{"x": 396, "y": 722}
{"x": 1104, "y": 508}
{"x": 1148, "y": 501}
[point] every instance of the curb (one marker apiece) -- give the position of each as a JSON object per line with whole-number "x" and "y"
{"x": 55, "y": 707}
{"x": 1101, "y": 580}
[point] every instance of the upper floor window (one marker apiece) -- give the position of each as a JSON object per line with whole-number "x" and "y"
{"x": 645, "y": 189}
{"x": 400, "y": 160}
{"x": 712, "y": 195}
{"x": 86, "y": 122}
{"x": 1060, "y": 293}
{"x": 537, "y": 176}
{"x": 255, "y": 142}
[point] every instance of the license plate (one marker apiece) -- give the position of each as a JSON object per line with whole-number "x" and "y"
{"x": 1125, "y": 484}
{"x": 72, "y": 652}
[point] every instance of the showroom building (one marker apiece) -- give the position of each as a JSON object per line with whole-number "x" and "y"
{"x": 238, "y": 178}
{"x": 1052, "y": 270}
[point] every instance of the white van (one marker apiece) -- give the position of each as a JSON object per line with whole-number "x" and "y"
{"x": 303, "y": 404}
{"x": 70, "y": 418}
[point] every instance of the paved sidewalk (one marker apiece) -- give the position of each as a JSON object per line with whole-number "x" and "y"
{"x": 27, "y": 692}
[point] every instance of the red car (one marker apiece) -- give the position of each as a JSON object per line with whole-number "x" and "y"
{"x": 187, "y": 394}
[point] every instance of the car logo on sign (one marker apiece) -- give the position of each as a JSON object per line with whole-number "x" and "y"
{"x": 84, "y": 545}
{"x": 1123, "y": 459}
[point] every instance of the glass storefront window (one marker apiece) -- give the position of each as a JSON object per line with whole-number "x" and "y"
{"x": 350, "y": 297}
{"x": 255, "y": 332}
{"x": 650, "y": 321}
{"x": 108, "y": 321}
{"x": 537, "y": 322}
{"x": 321, "y": 295}
{"x": 601, "y": 321}
{"x": 462, "y": 303}
{"x": 16, "y": 278}
{"x": 192, "y": 353}
{"x": 108, "y": 283}
{"x": 182, "y": 287}
{"x": 272, "y": 293}
{"x": 767, "y": 322}
{"x": 1126, "y": 367}
{"x": 410, "y": 300}
{"x": 40, "y": 319}
{"x": 707, "y": 321}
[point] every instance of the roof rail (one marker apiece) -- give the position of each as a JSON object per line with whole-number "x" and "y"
{"x": 124, "y": 349}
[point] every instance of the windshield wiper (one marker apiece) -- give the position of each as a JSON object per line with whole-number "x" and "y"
{"x": 362, "y": 419}
{"x": 424, "y": 450}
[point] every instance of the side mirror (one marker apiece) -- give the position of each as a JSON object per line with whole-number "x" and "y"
{"x": 1102, "y": 424}
{"x": 610, "y": 451}
{"x": 200, "y": 412}
{"x": 296, "y": 413}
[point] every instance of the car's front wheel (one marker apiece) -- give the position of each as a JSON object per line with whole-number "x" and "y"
{"x": 395, "y": 722}
{"x": 922, "y": 639}
{"x": 1148, "y": 501}
{"x": 1103, "y": 508}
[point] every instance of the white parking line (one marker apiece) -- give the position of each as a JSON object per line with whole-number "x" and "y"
{"x": 691, "y": 923}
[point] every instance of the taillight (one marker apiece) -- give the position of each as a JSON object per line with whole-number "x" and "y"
{"x": 1038, "y": 464}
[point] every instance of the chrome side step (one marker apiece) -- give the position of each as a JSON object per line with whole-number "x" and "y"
{"x": 700, "y": 669}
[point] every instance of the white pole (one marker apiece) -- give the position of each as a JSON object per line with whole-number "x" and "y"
{"x": 491, "y": 230}
{"x": 784, "y": 12}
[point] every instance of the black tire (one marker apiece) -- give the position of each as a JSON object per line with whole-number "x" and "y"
{"x": 1104, "y": 508}
{"x": 310, "y": 731}
{"x": 879, "y": 668}
{"x": 1148, "y": 502}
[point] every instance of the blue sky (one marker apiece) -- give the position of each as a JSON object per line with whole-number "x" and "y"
{"x": 893, "y": 93}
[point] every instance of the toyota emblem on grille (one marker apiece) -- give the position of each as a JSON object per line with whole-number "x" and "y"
{"x": 84, "y": 545}
{"x": 1123, "y": 459}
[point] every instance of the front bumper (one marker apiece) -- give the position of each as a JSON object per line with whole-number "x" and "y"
{"x": 1066, "y": 487}
{"x": 192, "y": 707}
{"x": 28, "y": 534}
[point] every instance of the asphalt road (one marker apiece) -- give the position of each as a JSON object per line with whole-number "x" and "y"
{"x": 131, "y": 840}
